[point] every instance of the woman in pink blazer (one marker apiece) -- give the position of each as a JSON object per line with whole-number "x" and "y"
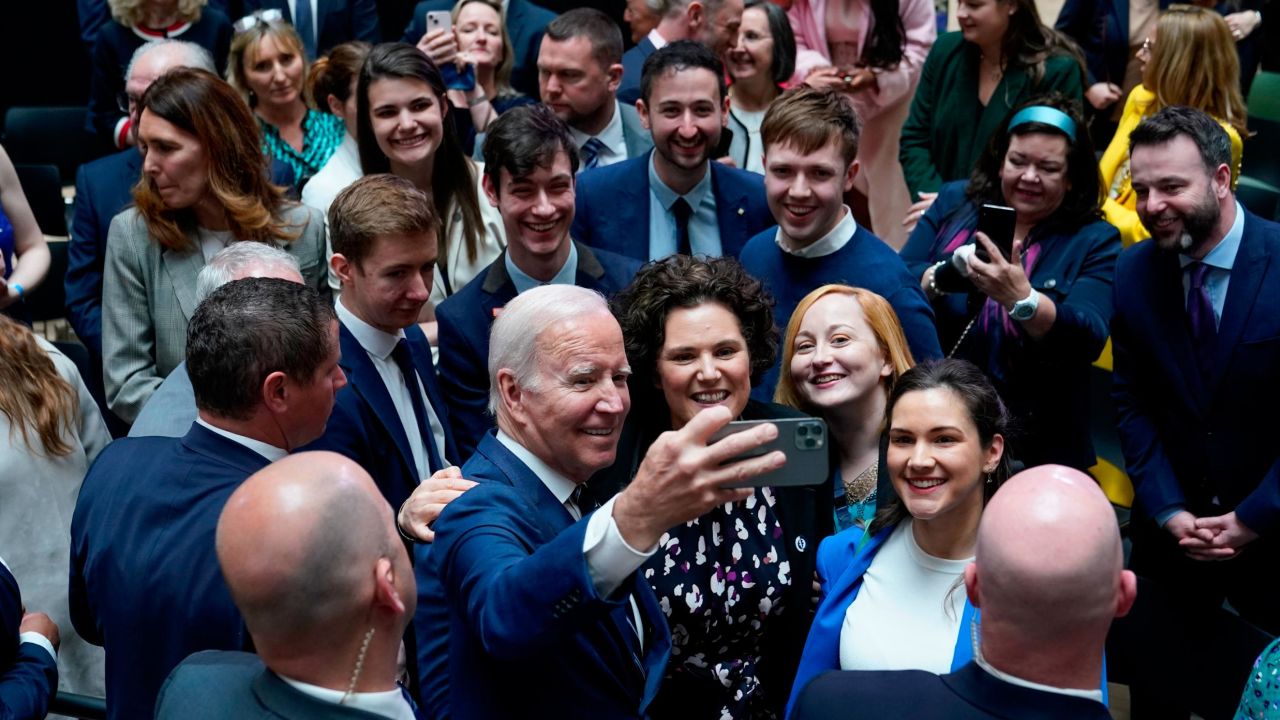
{"x": 872, "y": 50}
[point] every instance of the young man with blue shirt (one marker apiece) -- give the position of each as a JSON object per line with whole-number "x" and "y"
{"x": 810, "y": 140}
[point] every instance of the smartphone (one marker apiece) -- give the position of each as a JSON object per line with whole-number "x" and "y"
{"x": 997, "y": 221}
{"x": 802, "y": 439}
{"x": 455, "y": 79}
{"x": 439, "y": 20}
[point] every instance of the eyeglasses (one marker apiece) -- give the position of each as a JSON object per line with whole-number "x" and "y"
{"x": 1147, "y": 46}
{"x": 261, "y": 17}
{"x": 126, "y": 102}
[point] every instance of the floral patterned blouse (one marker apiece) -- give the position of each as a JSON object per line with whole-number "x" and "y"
{"x": 1261, "y": 699}
{"x": 322, "y": 133}
{"x": 719, "y": 579}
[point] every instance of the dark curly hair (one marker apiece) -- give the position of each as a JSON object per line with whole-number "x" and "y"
{"x": 681, "y": 281}
{"x": 1082, "y": 202}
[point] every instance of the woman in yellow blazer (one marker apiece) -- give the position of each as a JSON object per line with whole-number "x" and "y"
{"x": 1191, "y": 61}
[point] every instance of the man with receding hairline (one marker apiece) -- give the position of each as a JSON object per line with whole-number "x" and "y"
{"x": 310, "y": 552}
{"x": 1048, "y": 576}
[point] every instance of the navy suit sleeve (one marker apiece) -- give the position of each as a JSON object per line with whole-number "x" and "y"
{"x": 85, "y": 256}
{"x": 364, "y": 21}
{"x": 82, "y": 615}
{"x": 28, "y": 684}
{"x": 464, "y": 378}
{"x": 1080, "y": 330}
{"x": 518, "y": 599}
{"x": 1078, "y": 20}
{"x": 1154, "y": 482}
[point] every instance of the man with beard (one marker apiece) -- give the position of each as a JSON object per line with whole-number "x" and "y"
{"x": 674, "y": 200}
{"x": 1197, "y": 344}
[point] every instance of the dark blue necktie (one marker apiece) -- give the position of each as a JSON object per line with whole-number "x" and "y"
{"x": 681, "y": 210}
{"x": 591, "y": 150}
{"x": 1204, "y": 327}
{"x": 305, "y": 27}
{"x": 405, "y": 363}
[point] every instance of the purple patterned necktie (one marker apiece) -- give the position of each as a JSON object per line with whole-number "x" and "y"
{"x": 1204, "y": 327}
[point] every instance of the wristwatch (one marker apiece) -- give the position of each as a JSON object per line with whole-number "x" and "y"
{"x": 1025, "y": 309}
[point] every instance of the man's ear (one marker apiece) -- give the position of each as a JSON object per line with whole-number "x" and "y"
{"x": 275, "y": 393}
{"x": 1128, "y": 593}
{"x": 642, "y": 110}
{"x": 1222, "y": 181}
{"x": 971, "y": 585}
{"x": 490, "y": 191}
{"x": 614, "y": 73}
{"x": 511, "y": 395}
{"x": 343, "y": 268}
{"x": 850, "y": 174}
{"x": 695, "y": 15}
{"x": 724, "y": 111}
{"x": 384, "y": 589}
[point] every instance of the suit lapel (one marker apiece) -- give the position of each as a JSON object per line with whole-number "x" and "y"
{"x": 589, "y": 269}
{"x": 183, "y": 267}
{"x": 553, "y": 518}
{"x": 1246, "y": 279}
{"x": 366, "y": 381}
{"x": 203, "y": 441}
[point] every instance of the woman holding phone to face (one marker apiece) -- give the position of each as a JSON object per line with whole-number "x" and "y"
{"x": 736, "y": 583}
{"x": 1036, "y": 319}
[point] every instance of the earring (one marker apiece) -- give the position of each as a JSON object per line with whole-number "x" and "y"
{"x": 989, "y": 479}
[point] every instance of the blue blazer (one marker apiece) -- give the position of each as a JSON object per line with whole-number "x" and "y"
{"x": 613, "y": 207}
{"x": 336, "y": 21}
{"x": 28, "y": 674}
{"x": 1046, "y": 382}
{"x": 841, "y": 565}
{"x": 633, "y": 68}
{"x": 1188, "y": 438}
{"x": 525, "y": 23}
{"x": 104, "y": 187}
{"x": 145, "y": 582}
{"x": 505, "y": 593}
{"x": 365, "y": 426}
{"x": 464, "y": 320}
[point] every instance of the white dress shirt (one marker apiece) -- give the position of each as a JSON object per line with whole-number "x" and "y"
{"x": 266, "y": 450}
{"x": 839, "y": 236}
{"x": 1095, "y": 695}
{"x": 378, "y": 345}
{"x": 615, "y": 142}
{"x": 388, "y": 703}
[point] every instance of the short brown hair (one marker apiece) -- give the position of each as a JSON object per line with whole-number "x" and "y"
{"x": 375, "y": 206}
{"x": 808, "y": 118}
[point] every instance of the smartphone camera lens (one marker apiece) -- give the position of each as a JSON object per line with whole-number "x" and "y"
{"x": 802, "y": 430}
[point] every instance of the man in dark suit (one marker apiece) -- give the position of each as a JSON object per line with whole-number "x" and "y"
{"x": 144, "y": 580}
{"x": 324, "y": 23}
{"x": 527, "y": 581}
{"x": 392, "y": 418}
{"x": 713, "y": 23}
{"x": 529, "y": 164}
{"x": 579, "y": 68}
{"x": 525, "y": 23}
{"x": 1197, "y": 343}
{"x": 1049, "y": 577}
{"x": 104, "y": 187}
{"x": 309, "y": 550}
{"x": 674, "y": 199}
{"x": 28, "y": 655}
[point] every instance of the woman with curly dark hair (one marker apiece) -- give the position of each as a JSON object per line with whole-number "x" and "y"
{"x": 735, "y": 584}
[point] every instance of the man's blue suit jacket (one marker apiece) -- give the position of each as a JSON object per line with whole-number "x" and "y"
{"x": 525, "y": 24}
{"x": 336, "y": 21}
{"x": 464, "y": 321}
{"x": 104, "y": 187}
{"x": 365, "y": 426}
{"x": 145, "y": 582}
{"x": 612, "y": 208}
{"x": 632, "y": 69}
{"x": 509, "y": 623}
{"x": 28, "y": 674}
{"x": 1187, "y": 439}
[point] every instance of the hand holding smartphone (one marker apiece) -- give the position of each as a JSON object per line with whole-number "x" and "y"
{"x": 997, "y": 222}
{"x": 803, "y": 440}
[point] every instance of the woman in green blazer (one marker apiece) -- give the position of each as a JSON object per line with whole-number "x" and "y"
{"x": 971, "y": 80}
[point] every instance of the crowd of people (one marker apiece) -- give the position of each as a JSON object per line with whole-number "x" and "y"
{"x": 487, "y": 373}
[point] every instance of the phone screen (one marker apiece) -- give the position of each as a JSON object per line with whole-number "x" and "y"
{"x": 997, "y": 222}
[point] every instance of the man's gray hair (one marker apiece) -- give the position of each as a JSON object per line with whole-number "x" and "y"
{"x": 513, "y": 339}
{"x": 193, "y": 56}
{"x": 237, "y": 260}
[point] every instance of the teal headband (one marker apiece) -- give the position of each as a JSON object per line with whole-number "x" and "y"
{"x": 1045, "y": 115}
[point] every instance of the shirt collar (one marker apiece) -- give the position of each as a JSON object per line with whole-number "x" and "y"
{"x": 656, "y": 38}
{"x": 266, "y": 450}
{"x": 1223, "y": 256}
{"x": 612, "y": 135}
{"x": 374, "y": 341}
{"x": 387, "y": 703}
{"x": 1095, "y": 695}
{"x": 839, "y": 236}
{"x": 559, "y": 485}
{"x": 564, "y": 276}
{"x": 667, "y": 197}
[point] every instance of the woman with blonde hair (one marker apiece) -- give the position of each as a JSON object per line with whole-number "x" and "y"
{"x": 50, "y": 432}
{"x": 204, "y": 186}
{"x": 138, "y": 22}
{"x": 1191, "y": 60}
{"x": 267, "y": 65}
{"x": 842, "y": 352}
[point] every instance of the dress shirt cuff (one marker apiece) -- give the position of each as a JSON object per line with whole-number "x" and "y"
{"x": 1165, "y": 516}
{"x": 610, "y": 560}
{"x": 36, "y": 638}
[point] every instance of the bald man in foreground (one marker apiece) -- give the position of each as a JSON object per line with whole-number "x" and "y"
{"x": 310, "y": 551}
{"x": 1048, "y": 578}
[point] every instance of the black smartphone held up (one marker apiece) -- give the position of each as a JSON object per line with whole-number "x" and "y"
{"x": 802, "y": 439}
{"x": 997, "y": 221}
